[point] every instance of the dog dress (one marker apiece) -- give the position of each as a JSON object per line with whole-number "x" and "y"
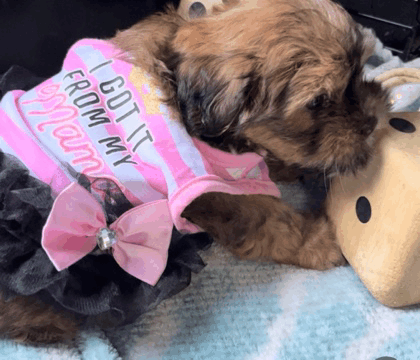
{"x": 93, "y": 151}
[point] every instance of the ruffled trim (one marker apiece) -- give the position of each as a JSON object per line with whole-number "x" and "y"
{"x": 94, "y": 286}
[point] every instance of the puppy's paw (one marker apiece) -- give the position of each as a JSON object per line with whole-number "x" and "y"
{"x": 27, "y": 320}
{"x": 44, "y": 334}
{"x": 320, "y": 250}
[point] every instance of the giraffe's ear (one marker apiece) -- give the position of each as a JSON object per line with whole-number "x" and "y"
{"x": 192, "y": 9}
{"x": 368, "y": 42}
{"x": 197, "y": 9}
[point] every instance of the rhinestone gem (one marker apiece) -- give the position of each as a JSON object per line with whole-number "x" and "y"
{"x": 106, "y": 238}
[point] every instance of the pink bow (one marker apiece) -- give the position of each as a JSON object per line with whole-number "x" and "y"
{"x": 142, "y": 234}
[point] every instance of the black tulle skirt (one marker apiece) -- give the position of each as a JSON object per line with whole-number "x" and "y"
{"x": 95, "y": 288}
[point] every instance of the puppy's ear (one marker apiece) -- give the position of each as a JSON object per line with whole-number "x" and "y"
{"x": 214, "y": 93}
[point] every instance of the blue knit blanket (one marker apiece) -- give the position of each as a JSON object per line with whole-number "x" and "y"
{"x": 243, "y": 310}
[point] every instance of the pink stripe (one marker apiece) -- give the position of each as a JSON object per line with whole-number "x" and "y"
{"x": 222, "y": 161}
{"x": 32, "y": 155}
{"x": 227, "y": 159}
{"x": 210, "y": 183}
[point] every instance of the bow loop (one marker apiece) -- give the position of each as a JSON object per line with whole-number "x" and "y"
{"x": 139, "y": 238}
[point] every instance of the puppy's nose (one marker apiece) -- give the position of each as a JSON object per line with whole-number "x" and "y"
{"x": 369, "y": 125}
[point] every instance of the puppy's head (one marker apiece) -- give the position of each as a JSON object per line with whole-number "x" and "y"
{"x": 277, "y": 75}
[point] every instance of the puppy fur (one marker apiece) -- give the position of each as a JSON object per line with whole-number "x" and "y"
{"x": 282, "y": 78}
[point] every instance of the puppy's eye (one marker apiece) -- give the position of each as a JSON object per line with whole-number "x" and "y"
{"x": 319, "y": 102}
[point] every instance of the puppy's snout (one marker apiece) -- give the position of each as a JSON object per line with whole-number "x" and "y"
{"x": 368, "y": 126}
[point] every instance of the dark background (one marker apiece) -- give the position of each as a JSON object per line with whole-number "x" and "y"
{"x": 36, "y": 34}
{"x": 396, "y": 23}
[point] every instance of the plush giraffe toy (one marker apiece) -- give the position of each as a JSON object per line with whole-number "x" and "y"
{"x": 377, "y": 214}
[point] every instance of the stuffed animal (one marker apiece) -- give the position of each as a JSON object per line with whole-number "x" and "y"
{"x": 377, "y": 213}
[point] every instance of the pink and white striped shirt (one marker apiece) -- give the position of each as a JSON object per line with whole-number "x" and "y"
{"x": 93, "y": 117}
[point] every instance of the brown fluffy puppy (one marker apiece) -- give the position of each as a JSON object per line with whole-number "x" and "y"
{"x": 282, "y": 77}
{"x": 277, "y": 77}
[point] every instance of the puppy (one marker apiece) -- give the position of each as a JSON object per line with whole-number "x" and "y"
{"x": 281, "y": 78}
{"x": 276, "y": 77}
